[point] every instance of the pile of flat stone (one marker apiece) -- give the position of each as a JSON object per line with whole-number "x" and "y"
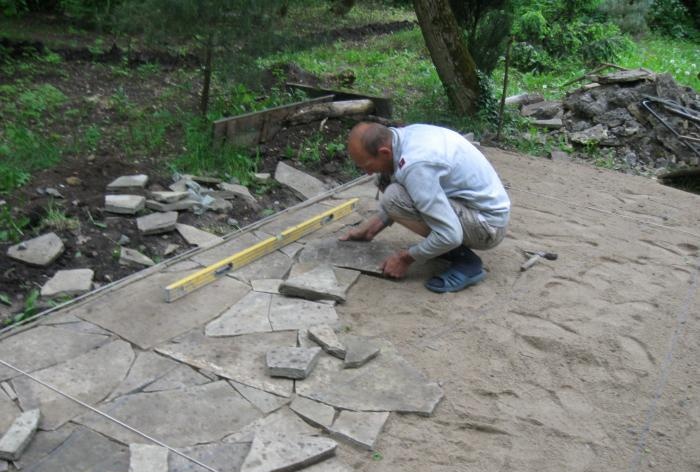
{"x": 607, "y": 118}
{"x": 127, "y": 195}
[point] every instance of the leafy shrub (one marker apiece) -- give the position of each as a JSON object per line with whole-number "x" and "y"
{"x": 23, "y": 152}
{"x": 12, "y": 7}
{"x": 671, "y": 18}
{"x": 532, "y": 26}
{"x": 630, "y": 17}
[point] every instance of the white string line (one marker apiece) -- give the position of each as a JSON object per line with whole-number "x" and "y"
{"x": 681, "y": 319}
{"x": 111, "y": 418}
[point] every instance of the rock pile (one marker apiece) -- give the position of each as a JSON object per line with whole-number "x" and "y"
{"x": 616, "y": 114}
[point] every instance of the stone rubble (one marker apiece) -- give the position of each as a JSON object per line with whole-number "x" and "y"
{"x": 292, "y": 362}
{"x": 128, "y": 182}
{"x": 17, "y": 438}
{"x": 68, "y": 282}
{"x": 302, "y": 183}
{"x": 324, "y": 336}
{"x": 132, "y": 257}
{"x": 157, "y": 223}
{"x": 124, "y": 204}
{"x": 40, "y": 251}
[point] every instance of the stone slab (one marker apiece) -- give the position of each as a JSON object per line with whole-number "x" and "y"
{"x": 168, "y": 197}
{"x": 148, "y": 458}
{"x": 145, "y": 319}
{"x": 128, "y": 182}
{"x": 302, "y": 183}
{"x": 552, "y": 123}
{"x": 124, "y": 204}
{"x": 240, "y": 358}
{"x": 43, "y": 444}
{"x": 303, "y": 338}
{"x": 272, "y": 266}
{"x": 266, "y": 285}
{"x": 85, "y": 451}
{"x": 40, "y": 251}
{"x": 359, "y": 351}
{"x": 319, "y": 283}
{"x": 282, "y": 422}
{"x": 44, "y": 346}
{"x": 157, "y": 223}
{"x": 197, "y": 237}
{"x": 89, "y": 377}
{"x": 324, "y": 336}
{"x": 180, "y": 378}
{"x": 314, "y": 412}
{"x": 10, "y": 393}
{"x": 359, "y": 428}
{"x": 345, "y": 277}
{"x": 180, "y": 205}
{"x": 362, "y": 256}
{"x": 287, "y": 453}
{"x": 220, "y": 456}
{"x": 18, "y": 436}
{"x": 240, "y": 191}
{"x": 542, "y": 110}
{"x": 389, "y": 383}
{"x": 263, "y": 401}
{"x": 292, "y": 362}
{"x": 249, "y": 315}
{"x": 146, "y": 369}
{"x": 295, "y": 313}
{"x": 68, "y": 282}
{"x": 179, "y": 418}
{"x": 133, "y": 258}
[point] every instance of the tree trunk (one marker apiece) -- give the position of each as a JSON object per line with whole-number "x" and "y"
{"x": 204, "y": 102}
{"x": 449, "y": 52}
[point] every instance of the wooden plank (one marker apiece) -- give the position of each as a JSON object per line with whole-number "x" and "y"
{"x": 382, "y": 105}
{"x": 254, "y": 128}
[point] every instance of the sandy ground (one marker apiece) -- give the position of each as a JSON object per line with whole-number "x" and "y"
{"x": 587, "y": 363}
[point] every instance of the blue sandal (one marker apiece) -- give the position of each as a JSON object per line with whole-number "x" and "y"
{"x": 454, "y": 280}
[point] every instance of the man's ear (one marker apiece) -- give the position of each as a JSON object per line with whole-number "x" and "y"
{"x": 385, "y": 152}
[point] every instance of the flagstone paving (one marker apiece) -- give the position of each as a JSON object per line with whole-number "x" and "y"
{"x": 193, "y": 372}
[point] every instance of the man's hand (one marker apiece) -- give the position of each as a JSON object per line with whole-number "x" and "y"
{"x": 397, "y": 265}
{"x": 366, "y": 231}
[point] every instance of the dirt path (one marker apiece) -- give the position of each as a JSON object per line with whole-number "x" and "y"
{"x": 586, "y": 363}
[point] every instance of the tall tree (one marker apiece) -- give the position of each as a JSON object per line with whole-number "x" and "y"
{"x": 448, "y": 49}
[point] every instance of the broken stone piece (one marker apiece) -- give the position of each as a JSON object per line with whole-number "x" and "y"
{"x": 542, "y": 110}
{"x": 170, "y": 248}
{"x": 185, "y": 204}
{"x": 314, "y": 412}
{"x": 263, "y": 401}
{"x": 68, "y": 282}
{"x": 157, "y": 223}
{"x": 325, "y": 337}
{"x": 124, "y": 204}
{"x": 359, "y": 428}
{"x": 148, "y": 458}
{"x": 9, "y": 391}
{"x": 292, "y": 362}
{"x": 197, "y": 237}
{"x": 128, "y": 182}
{"x": 240, "y": 191}
{"x": 271, "y": 454}
{"x": 131, "y": 257}
{"x": 168, "y": 197}
{"x": 624, "y": 76}
{"x": 553, "y": 123}
{"x": 40, "y": 251}
{"x": 359, "y": 351}
{"x": 266, "y": 285}
{"x": 19, "y": 435}
{"x": 262, "y": 176}
{"x": 591, "y": 135}
{"x": 302, "y": 183}
{"x": 219, "y": 205}
{"x": 319, "y": 283}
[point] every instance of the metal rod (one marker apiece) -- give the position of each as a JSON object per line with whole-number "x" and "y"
{"x": 111, "y": 418}
{"x": 645, "y": 104}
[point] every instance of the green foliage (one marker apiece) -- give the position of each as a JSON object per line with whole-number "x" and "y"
{"x": 35, "y": 102}
{"x": 204, "y": 157}
{"x": 12, "y": 227}
{"x": 671, "y": 18}
{"x": 628, "y": 16}
{"x": 22, "y": 152}
{"x": 488, "y": 25}
{"x": 310, "y": 150}
{"x": 12, "y": 8}
{"x": 56, "y": 219}
{"x": 488, "y": 104}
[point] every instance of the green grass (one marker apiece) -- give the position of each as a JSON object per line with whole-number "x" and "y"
{"x": 678, "y": 57}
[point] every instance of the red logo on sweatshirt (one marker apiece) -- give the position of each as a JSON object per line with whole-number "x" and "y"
{"x": 401, "y": 163}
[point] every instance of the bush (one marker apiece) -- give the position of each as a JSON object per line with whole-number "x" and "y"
{"x": 671, "y": 18}
{"x": 630, "y": 17}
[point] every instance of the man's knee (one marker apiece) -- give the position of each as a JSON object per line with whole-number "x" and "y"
{"x": 397, "y": 203}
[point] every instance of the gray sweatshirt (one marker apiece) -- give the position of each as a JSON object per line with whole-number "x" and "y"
{"x": 435, "y": 164}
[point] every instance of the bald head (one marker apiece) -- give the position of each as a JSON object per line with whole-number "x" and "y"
{"x": 371, "y": 136}
{"x": 370, "y": 146}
